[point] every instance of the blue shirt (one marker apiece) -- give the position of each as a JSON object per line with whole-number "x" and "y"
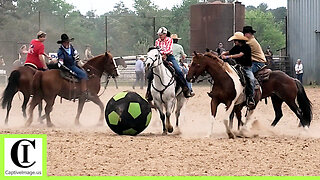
{"x": 139, "y": 66}
{"x": 67, "y": 55}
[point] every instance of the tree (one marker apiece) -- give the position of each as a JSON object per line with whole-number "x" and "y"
{"x": 268, "y": 31}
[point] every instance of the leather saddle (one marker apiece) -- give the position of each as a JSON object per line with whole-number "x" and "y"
{"x": 68, "y": 74}
{"x": 263, "y": 74}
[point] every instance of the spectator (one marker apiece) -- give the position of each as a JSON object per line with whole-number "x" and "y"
{"x": 220, "y": 49}
{"x": 139, "y": 69}
{"x": 87, "y": 53}
{"x": 268, "y": 54}
{"x": 299, "y": 70}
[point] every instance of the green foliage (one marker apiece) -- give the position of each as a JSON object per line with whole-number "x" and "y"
{"x": 268, "y": 30}
{"x": 130, "y": 32}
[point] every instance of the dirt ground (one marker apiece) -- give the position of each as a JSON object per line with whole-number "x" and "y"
{"x": 284, "y": 150}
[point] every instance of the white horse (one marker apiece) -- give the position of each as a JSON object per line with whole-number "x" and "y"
{"x": 163, "y": 90}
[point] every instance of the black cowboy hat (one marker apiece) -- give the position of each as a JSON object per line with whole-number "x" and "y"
{"x": 65, "y": 38}
{"x": 248, "y": 29}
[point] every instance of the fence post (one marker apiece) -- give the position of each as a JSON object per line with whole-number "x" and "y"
{"x": 39, "y": 20}
{"x": 106, "y": 27}
{"x": 154, "y": 29}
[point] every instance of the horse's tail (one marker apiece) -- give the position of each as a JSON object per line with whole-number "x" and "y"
{"x": 304, "y": 104}
{"x": 36, "y": 82}
{"x": 11, "y": 88}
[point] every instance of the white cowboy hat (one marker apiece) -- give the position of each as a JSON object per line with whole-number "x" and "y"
{"x": 162, "y": 30}
{"x": 175, "y": 36}
{"x": 238, "y": 36}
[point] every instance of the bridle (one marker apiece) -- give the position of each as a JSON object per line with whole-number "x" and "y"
{"x": 152, "y": 67}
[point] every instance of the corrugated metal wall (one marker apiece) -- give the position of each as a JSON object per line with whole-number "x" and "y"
{"x": 211, "y": 23}
{"x": 304, "y": 36}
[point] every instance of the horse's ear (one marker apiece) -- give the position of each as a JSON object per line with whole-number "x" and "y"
{"x": 195, "y": 53}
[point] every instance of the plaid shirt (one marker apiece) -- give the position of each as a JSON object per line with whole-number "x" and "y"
{"x": 165, "y": 45}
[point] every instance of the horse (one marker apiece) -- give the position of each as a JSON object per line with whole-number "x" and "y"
{"x": 20, "y": 79}
{"x": 227, "y": 88}
{"x": 49, "y": 84}
{"x": 163, "y": 90}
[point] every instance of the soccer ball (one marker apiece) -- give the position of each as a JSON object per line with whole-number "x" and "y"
{"x": 127, "y": 113}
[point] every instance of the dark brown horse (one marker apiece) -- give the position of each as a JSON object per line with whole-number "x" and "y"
{"x": 48, "y": 84}
{"x": 227, "y": 89}
{"x": 20, "y": 79}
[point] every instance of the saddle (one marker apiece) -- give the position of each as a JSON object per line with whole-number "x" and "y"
{"x": 263, "y": 74}
{"x": 170, "y": 67}
{"x": 68, "y": 74}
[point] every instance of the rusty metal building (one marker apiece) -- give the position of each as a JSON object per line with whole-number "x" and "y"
{"x": 211, "y": 23}
{"x": 304, "y": 37}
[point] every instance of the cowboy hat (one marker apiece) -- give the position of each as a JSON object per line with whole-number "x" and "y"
{"x": 248, "y": 29}
{"x": 162, "y": 30}
{"x": 238, "y": 36}
{"x": 65, "y": 38}
{"x": 175, "y": 36}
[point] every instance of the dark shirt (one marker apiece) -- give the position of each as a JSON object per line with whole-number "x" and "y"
{"x": 68, "y": 60}
{"x": 245, "y": 60}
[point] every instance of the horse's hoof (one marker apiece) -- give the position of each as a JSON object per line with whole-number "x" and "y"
{"x": 50, "y": 125}
{"x": 164, "y": 133}
{"x": 170, "y": 129}
{"x": 28, "y": 123}
{"x": 231, "y": 135}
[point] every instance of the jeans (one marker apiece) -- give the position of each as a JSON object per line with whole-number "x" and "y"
{"x": 81, "y": 74}
{"x": 256, "y": 66}
{"x": 139, "y": 79}
{"x": 170, "y": 58}
{"x": 250, "y": 86}
{"x": 185, "y": 72}
{"x": 299, "y": 77}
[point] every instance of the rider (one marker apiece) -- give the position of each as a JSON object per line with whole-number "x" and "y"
{"x": 241, "y": 52}
{"x": 257, "y": 55}
{"x": 165, "y": 44}
{"x": 180, "y": 56}
{"x": 36, "y": 52}
{"x": 66, "y": 53}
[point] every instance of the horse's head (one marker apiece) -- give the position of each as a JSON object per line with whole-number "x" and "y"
{"x": 110, "y": 67}
{"x": 154, "y": 57}
{"x": 121, "y": 62}
{"x": 197, "y": 68}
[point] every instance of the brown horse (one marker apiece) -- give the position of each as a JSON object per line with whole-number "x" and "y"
{"x": 20, "y": 79}
{"x": 227, "y": 89}
{"x": 48, "y": 84}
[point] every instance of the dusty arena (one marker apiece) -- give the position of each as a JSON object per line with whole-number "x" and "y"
{"x": 97, "y": 151}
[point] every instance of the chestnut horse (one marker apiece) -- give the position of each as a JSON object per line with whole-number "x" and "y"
{"x": 48, "y": 84}
{"x": 226, "y": 89}
{"x": 20, "y": 79}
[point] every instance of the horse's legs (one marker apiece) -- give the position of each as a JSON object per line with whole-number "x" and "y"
{"x": 180, "y": 103}
{"x": 276, "y": 102}
{"x": 48, "y": 109}
{"x": 162, "y": 116}
{"x": 34, "y": 102}
{"x": 26, "y": 98}
{"x": 80, "y": 108}
{"x": 97, "y": 101}
{"x": 169, "y": 108}
{"x": 9, "y": 105}
{"x": 214, "y": 105}
{"x": 40, "y": 107}
{"x": 294, "y": 107}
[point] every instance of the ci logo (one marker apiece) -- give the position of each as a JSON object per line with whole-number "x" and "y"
{"x": 26, "y": 146}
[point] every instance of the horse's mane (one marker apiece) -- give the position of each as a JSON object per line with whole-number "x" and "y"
{"x": 151, "y": 48}
{"x": 222, "y": 64}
